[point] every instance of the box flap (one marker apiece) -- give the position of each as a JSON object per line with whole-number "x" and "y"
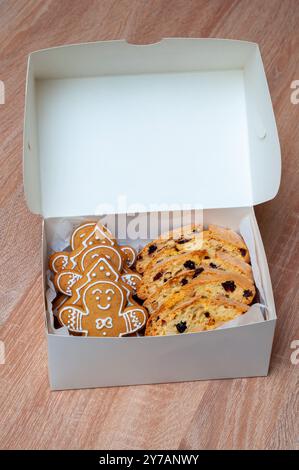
{"x": 115, "y": 127}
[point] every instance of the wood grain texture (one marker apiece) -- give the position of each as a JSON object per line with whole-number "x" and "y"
{"x": 249, "y": 413}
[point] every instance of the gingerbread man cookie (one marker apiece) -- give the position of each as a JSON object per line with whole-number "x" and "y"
{"x": 98, "y": 305}
{"x": 91, "y": 232}
{"x": 131, "y": 279}
{"x": 65, "y": 280}
{"x": 80, "y": 258}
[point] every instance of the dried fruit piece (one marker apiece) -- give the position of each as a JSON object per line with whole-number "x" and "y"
{"x": 229, "y": 286}
{"x": 152, "y": 249}
{"x": 247, "y": 293}
{"x": 189, "y": 264}
{"x": 157, "y": 276}
{"x": 181, "y": 327}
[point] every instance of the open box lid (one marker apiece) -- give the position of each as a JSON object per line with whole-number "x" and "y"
{"x": 115, "y": 127}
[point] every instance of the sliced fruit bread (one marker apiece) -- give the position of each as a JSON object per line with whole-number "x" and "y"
{"x": 212, "y": 240}
{"x": 210, "y": 283}
{"x": 167, "y": 242}
{"x": 197, "y": 314}
{"x": 171, "y": 267}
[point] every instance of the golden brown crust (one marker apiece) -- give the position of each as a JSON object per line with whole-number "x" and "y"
{"x": 229, "y": 237}
{"x": 210, "y": 283}
{"x": 167, "y": 269}
{"x": 214, "y": 239}
{"x": 171, "y": 267}
{"x": 227, "y": 234}
{"x": 169, "y": 243}
{"x": 197, "y": 314}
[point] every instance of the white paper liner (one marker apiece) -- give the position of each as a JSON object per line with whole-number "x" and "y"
{"x": 60, "y": 239}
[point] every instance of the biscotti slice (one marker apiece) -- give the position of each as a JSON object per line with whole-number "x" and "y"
{"x": 167, "y": 269}
{"x": 198, "y": 314}
{"x": 225, "y": 240}
{"x": 215, "y": 240}
{"x": 212, "y": 284}
{"x": 159, "y": 274}
{"x": 167, "y": 241}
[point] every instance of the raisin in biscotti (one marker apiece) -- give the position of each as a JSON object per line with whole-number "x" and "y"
{"x": 167, "y": 241}
{"x": 212, "y": 284}
{"x": 214, "y": 239}
{"x": 198, "y": 314}
{"x": 209, "y": 240}
{"x": 154, "y": 278}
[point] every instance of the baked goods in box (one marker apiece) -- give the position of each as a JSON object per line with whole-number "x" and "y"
{"x": 210, "y": 283}
{"x": 65, "y": 281}
{"x": 197, "y": 314}
{"x": 195, "y": 283}
{"x": 189, "y": 280}
{"x": 97, "y": 286}
{"x": 91, "y": 233}
{"x": 199, "y": 261}
{"x": 168, "y": 243}
{"x": 192, "y": 238}
{"x": 101, "y": 304}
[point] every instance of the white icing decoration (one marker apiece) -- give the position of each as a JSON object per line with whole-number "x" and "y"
{"x": 108, "y": 274}
{"x": 70, "y": 282}
{"x": 73, "y": 320}
{"x": 80, "y": 293}
{"x": 104, "y": 308}
{"x": 109, "y": 290}
{"x": 104, "y": 323}
{"x": 97, "y": 290}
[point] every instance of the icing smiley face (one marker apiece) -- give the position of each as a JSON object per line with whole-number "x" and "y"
{"x": 104, "y": 297}
{"x": 104, "y": 300}
{"x": 102, "y": 313}
{"x": 98, "y": 305}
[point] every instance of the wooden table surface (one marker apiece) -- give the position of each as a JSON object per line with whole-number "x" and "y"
{"x": 244, "y": 413}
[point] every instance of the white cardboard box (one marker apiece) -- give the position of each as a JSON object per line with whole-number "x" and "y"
{"x": 182, "y": 120}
